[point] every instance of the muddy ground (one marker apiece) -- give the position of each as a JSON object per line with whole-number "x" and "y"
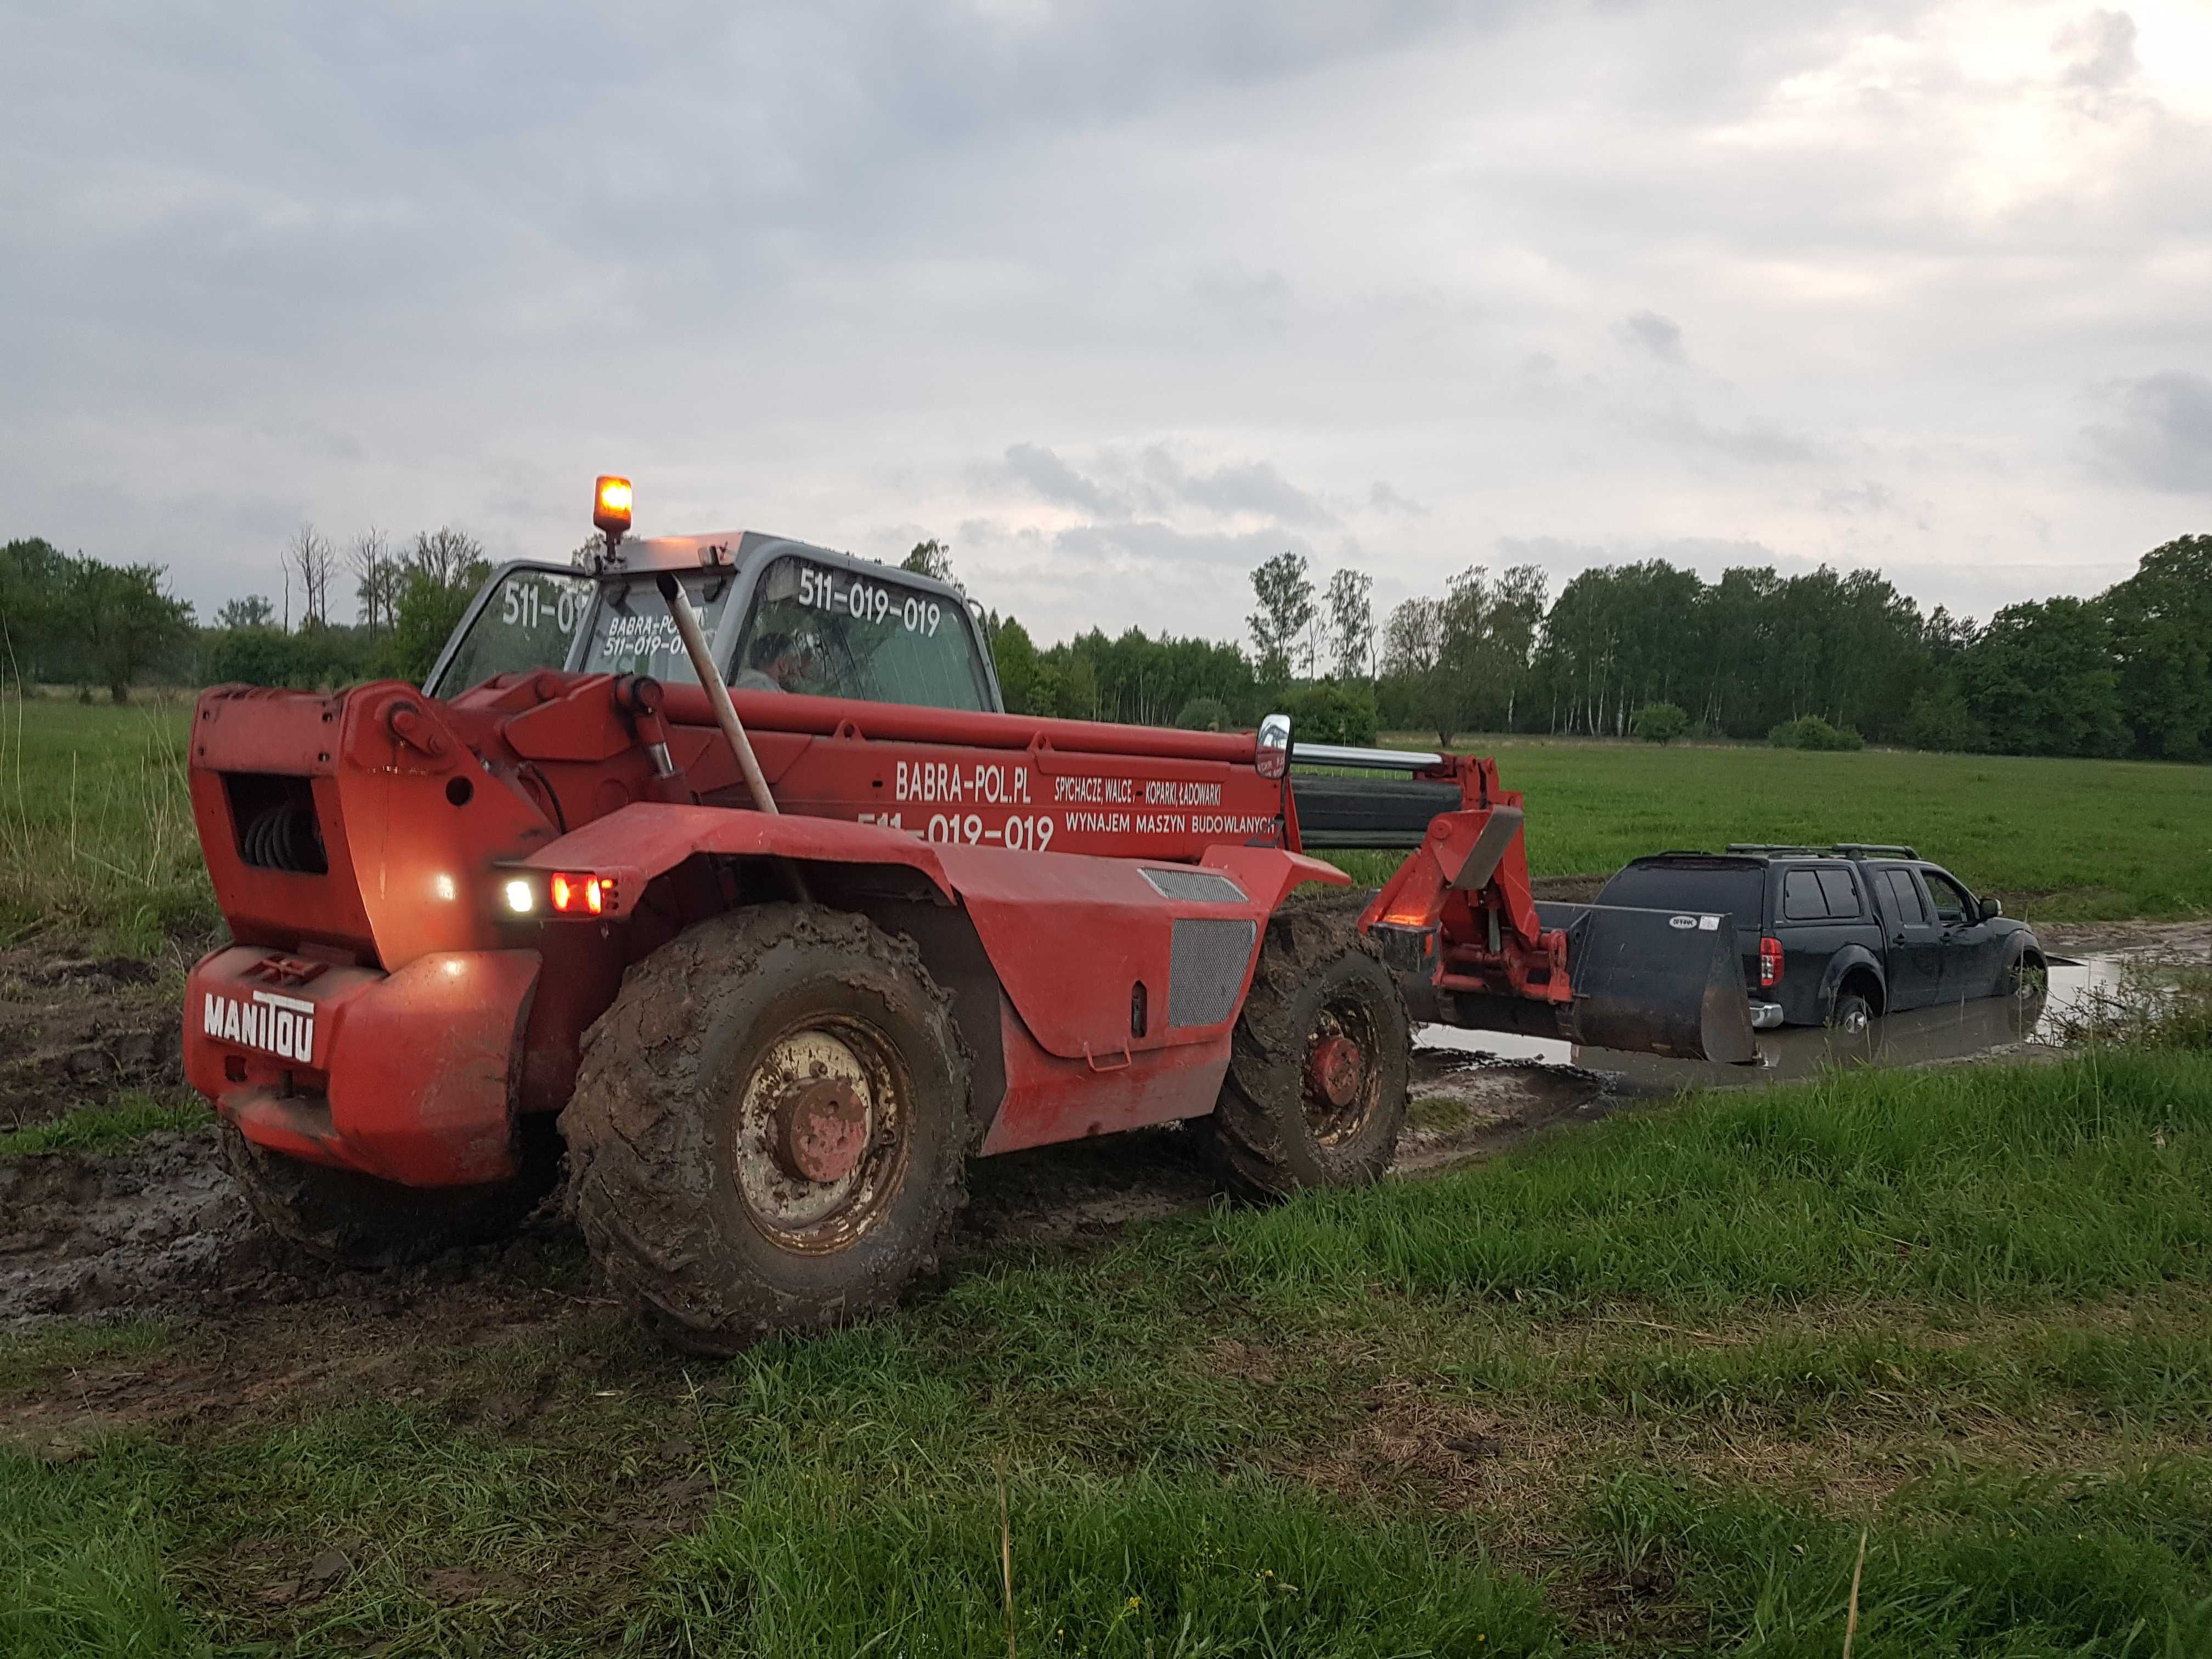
{"x": 156, "y": 1229}
{"x": 76, "y": 1030}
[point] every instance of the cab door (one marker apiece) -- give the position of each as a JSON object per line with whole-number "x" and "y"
{"x": 1914, "y": 941}
{"x": 1970, "y": 946}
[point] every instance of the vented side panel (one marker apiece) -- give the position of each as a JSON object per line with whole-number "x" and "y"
{"x": 1195, "y": 886}
{"x": 1206, "y": 968}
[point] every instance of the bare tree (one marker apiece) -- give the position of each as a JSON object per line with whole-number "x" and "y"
{"x": 444, "y": 555}
{"x": 1350, "y": 600}
{"x": 375, "y": 576}
{"x": 310, "y": 557}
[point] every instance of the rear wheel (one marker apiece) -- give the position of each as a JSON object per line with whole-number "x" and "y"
{"x": 1853, "y": 1015}
{"x": 769, "y": 1127}
{"x": 1315, "y": 1094}
{"x": 358, "y": 1221}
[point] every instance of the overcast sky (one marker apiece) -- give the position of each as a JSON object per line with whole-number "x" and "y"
{"x": 1120, "y": 298}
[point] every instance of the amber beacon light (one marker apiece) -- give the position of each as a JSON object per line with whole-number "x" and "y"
{"x": 610, "y": 507}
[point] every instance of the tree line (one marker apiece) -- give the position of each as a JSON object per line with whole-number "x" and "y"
{"x": 1750, "y": 654}
{"x": 1753, "y": 653}
{"x": 68, "y": 619}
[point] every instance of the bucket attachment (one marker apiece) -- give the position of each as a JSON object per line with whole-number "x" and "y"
{"x": 1647, "y": 982}
{"x": 1644, "y": 981}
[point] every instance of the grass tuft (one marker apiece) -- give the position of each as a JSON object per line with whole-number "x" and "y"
{"x": 1975, "y": 1185}
{"x": 137, "y": 1112}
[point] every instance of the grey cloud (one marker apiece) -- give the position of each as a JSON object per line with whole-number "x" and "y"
{"x": 2163, "y": 435}
{"x": 1250, "y": 487}
{"x": 1158, "y": 483}
{"x": 1647, "y": 331}
{"x": 1144, "y": 542}
{"x": 1056, "y": 481}
{"x": 1384, "y": 498}
{"x": 1754, "y": 443}
{"x": 2099, "y": 50}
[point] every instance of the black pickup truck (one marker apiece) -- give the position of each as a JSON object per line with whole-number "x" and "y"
{"x": 1838, "y": 935}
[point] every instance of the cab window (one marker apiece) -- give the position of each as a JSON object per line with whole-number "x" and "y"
{"x": 633, "y": 632}
{"x": 529, "y": 620}
{"x": 1952, "y": 905}
{"x": 829, "y": 632}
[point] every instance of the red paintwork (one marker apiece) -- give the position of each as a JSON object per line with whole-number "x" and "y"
{"x": 412, "y": 1075}
{"x": 1037, "y": 832}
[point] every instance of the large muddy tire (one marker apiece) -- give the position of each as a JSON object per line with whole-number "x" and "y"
{"x": 769, "y": 1129}
{"x": 1315, "y": 1094}
{"x": 358, "y": 1221}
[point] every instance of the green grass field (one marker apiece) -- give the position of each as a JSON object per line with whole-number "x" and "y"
{"x": 2064, "y": 840}
{"x": 97, "y": 833}
{"x": 1650, "y": 1388}
{"x": 95, "y": 825}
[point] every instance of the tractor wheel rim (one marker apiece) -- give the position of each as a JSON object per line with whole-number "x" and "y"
{"x": 1342, "y": 1086}
{"x": 821, "y": 1134}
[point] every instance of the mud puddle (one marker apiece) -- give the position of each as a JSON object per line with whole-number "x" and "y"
{"x": 75, "y": 1029}
{"x": 1987, "y": 1028}
{"x": 157, "y": 1228}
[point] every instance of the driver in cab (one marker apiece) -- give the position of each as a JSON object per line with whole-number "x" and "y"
{"x": 774, "y": 662}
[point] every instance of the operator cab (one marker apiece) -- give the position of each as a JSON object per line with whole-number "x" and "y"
{"x": 779, "y": 615}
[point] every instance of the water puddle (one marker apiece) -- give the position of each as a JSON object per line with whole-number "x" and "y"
{"x": 1954, "y": 1031}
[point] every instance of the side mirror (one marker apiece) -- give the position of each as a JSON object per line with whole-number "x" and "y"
{"x": 1991, "y": 907}
{"x": 1272, "y": 757}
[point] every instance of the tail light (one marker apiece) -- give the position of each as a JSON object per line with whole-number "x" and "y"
{"x": 1769, "y": 963}
{"x": 573, "y": 894}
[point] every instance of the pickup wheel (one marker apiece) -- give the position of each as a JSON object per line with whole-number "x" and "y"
{"x": 357, "y": 1221}
{"x": 1315, "y": 1093}
{"x": 769, "y": 1129}
{"x": 1853, "y": 1015}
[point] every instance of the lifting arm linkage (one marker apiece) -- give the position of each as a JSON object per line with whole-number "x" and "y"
{"x": 1463, "y": 904}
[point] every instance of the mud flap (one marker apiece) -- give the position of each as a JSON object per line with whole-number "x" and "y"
{"x": 1644, "y": 981}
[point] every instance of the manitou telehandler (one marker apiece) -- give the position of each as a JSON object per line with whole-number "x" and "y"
{"x": 718, "y": 864}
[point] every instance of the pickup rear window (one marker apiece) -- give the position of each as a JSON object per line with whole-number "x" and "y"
{"x": 1733, "y": 890}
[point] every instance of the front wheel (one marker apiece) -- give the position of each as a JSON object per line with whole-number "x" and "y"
{"x": 768, "y": 1131}
{"x": 1315, "y": 1093}
{"x": 356, "y": 1221}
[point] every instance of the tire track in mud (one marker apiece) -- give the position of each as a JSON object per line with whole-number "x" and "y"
{"x": 159, "y": 1227}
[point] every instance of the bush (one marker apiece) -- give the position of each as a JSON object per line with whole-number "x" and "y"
{"x": 259, "y": 656}
{"x": 1330, "y": 711}
{"x": 1660, "y": 722}
{"x": 1811, "y": 731}
{"x": 1204, "y": 715}
{"x": 1940, "y": 720}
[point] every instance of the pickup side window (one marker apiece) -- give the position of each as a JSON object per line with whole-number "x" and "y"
{"x": 1952, "y": 906}
{"x": 1905, "y": 897}
{"x": 1801, "y": 898}
{"x": 1842, "y": 892}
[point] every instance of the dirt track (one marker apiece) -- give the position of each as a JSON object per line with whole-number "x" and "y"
{"x": 157, "y": 1229}
{"x": 75, "y": 1030}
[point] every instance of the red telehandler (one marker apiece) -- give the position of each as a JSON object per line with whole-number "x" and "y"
{"x": 718, "y": 866}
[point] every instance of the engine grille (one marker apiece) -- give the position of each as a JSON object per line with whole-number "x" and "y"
{"x": 1206, "y": 968}
{"x": 1195, "y": 886}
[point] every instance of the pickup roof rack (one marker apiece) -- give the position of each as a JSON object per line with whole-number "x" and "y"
{"x": 1849, "y": 849}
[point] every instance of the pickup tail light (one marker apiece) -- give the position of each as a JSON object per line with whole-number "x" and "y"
{"x": 1769, "y": 964}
